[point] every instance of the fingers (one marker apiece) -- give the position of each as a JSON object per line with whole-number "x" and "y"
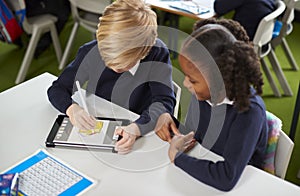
{"x": 80, "y": 118}
{"x": 160, "y": 134}
{"x": 189, "y": 137}
{"x": 120, "y": 131}
{"x": 182, "y": 142}
{"x": 124, "y": 151}
{"x": 174, "y": 129}
{"x": 189, "y": 141}
{"x": 124, "y": 146}
{"x": 163, "y": 119}
{"x": 86, "y": 121}
{"x": 164, "y": 133}
{"x": 190, "y": 146}
{"x": 125, "y": 142}
{"x": 163, "y": 126}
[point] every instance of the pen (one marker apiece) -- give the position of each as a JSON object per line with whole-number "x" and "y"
{"x": 82, "y": 100}
{"x": 81, "y": 97}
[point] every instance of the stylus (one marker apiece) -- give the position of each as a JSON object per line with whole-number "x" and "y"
{"x": 81, "y": 97}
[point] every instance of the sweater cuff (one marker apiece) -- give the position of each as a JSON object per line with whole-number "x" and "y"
{"x": 144, "y": 127}
{"x": 179, "y": 159}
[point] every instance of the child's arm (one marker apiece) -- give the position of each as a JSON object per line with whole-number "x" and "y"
{"x": 237, "y": 150}
{"x": 59, "y": 94}
{"x": 159, "y": 79}
{"x": 222, "y": 7}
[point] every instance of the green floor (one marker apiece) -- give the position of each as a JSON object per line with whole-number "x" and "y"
{"x": 11, "y": 58}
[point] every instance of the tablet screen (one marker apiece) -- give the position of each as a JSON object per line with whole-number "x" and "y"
{"x": 103, "y": 134}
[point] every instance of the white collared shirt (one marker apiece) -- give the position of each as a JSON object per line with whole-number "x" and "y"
{"x": 225, "y": 101}
{"x": 133, "y": 69}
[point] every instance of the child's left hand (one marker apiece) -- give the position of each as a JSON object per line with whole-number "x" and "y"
{"x": 129, "y": 135}
{"x": 181, "y": 143}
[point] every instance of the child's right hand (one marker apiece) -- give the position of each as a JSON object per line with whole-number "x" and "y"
{"x": 181, "y": 143}
{"x": 80, "y": 118}
{"x": 165, "y": 126}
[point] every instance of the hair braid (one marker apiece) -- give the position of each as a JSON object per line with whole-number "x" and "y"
{"x": 246, "y": 74}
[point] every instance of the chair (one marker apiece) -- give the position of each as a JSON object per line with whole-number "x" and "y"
{"x": 35, "y": 26}
{"x": 283, "y": 154}
{"x": 86, "y": 14}
{"x": 262, "y": 45}
{"x": 286, "y": 29}
{"x": 295, "y": 116}
{"x": 279, "y": 147}
{"x": 177, "y": 91}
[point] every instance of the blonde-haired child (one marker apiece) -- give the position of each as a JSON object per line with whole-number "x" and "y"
{"x": 127, "y": 65}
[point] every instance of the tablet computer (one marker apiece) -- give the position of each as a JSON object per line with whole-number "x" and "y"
{"x": 64, "y": 134}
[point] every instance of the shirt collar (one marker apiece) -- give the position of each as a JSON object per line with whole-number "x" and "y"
{"x": 134, "y": 68}
{"x": 225, "y": 101}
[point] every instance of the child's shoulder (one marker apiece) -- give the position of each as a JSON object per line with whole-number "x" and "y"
{"x": 158, "y": 50}
{"x": 256, "y": 101}
{"x": 89, "y": 44}
{"x": 159, "y": 45}
{"x": 159, "y": 42}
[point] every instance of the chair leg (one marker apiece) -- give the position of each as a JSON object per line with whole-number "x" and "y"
{"x": 173, "y": 35}
{"x": 56, "y": 42}
{"x": 279, "y": 73}
{"x": 36, "y": 34}
{"x": 295, "y": 116}
{"x": 270, "y": 78}
{"x": 68, "y": 47}
{"x": 289, "y": 54}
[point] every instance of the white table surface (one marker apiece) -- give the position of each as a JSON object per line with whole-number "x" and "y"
{"x": 27, "y": 116}
{"x": 165, "y": 5}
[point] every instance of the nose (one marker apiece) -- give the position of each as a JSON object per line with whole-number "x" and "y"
{"x": 186, "y": 82}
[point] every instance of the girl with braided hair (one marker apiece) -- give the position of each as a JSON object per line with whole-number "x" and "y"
{"x": 226, "y": 111}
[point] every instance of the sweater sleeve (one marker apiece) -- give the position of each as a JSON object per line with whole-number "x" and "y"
{"x": 60, "y": 93}
{"x": 238, "y": 150}
{"x": 222, "y": 7}
{"x": 160, "y": 82}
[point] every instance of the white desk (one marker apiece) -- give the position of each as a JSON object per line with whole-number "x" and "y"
{"x": 174, "y": 35}
{"x": 165, "y": 6}
{"x": 27, "y": 116}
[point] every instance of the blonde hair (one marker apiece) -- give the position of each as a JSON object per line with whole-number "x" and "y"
{"x": 126, "y": 32}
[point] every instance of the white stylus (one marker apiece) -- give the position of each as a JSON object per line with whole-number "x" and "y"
{"x": 81, "y": 97}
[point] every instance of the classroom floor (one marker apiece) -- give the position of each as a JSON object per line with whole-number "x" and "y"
{"x": 11, "y": 58}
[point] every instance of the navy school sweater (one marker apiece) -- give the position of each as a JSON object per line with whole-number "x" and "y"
{"x": 240, "y": 138}
{"x": 148, "y": 92}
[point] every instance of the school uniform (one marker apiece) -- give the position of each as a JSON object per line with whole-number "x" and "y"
{"x": 145, "y": 89}
{"x": 239, "y": 137}
{"x": 247, "y": 12}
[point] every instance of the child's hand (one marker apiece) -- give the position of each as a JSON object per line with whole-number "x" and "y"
{"x": 80, "y": 118}
{"x": 129, "y": 135}
{"x": 164, "y": 125}
{"x": 181, "y": 143}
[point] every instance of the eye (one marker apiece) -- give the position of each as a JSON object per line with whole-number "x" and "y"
{"x": 192, "y": 81}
